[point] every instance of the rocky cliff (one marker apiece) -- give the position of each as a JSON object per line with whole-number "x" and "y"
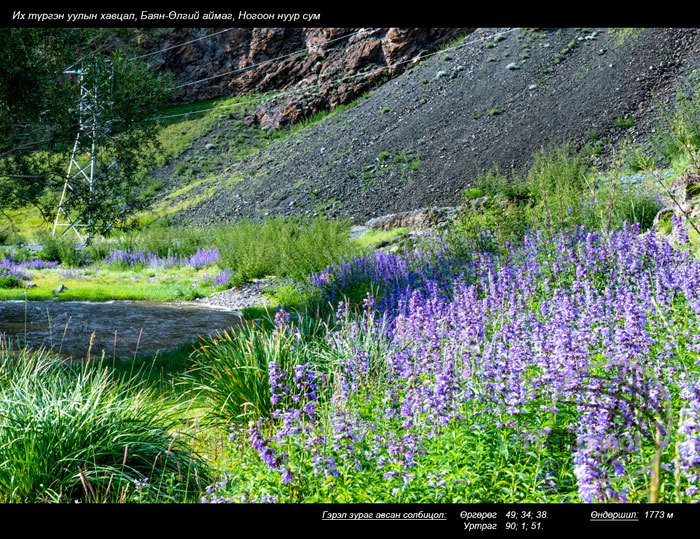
{"x": 342, "y": 63}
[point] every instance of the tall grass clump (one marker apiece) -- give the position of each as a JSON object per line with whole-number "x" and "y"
{"x": 678, "y": 130}
{"x": 558, "y": 182}
{"x": 61, "y": 248}
{"x": 80, "y": 433}
{"x": 231, "y": 370}
{"x": 291, "y": 247}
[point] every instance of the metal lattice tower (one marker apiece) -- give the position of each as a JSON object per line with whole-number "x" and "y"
{"x": 93, "y": 155}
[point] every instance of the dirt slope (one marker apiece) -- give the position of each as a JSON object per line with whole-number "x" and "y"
{"x": 493, "y": 101}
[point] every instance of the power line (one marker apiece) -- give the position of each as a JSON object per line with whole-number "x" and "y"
{"x": 101, "y": 47}
{"x": 284, "y": 93}
{"x": 179, "y": 45}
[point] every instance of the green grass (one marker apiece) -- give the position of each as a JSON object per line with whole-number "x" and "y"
{"x": 179, "y": 133}
{"x": 282, "y": 247}
{"x": 627, "y": 121}
{"x": 21, "y": 225}
{"x": 558, "y": 191}
{"x": 109, "y": 284}
{"x": 495, "y": 111}
{"x": 373, "y": 237}
{"x": 81, "y": 433}
{"x": 231, "y": 372}
{"x": 676, "y": 139}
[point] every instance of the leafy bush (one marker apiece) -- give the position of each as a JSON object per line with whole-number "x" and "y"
{"x": 61, "y": 249}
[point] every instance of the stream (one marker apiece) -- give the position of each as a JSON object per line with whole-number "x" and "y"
{"x": 122, "y": 329}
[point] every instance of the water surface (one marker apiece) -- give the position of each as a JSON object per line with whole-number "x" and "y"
{"x": 121, "y": 328}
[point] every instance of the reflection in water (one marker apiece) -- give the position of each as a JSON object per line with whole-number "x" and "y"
{"x": 121, "y": 328}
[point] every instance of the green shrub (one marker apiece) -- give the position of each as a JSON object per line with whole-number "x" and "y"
{"x": 637, "y": 159}
{"x": 632, "y": 204}
{"x": 627, "y": 121}
{"x": 485, "y": 227}
{"x": 496, "y": 184}
{"x": 61, "y": 248}
{"x": 556, "y": 193}
{"x": 9, "y": 236}
{"x": 473, "y": 193}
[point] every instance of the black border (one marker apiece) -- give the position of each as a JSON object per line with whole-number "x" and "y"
{"x": 347, "y": 15}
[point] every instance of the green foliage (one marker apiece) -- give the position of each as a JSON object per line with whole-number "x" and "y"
{"x": 230, "y": 370}
{"x": 665, "y": 224}
{"x": 372, "y": 238}
{"x": 8, "y": 280}
{"x": 497, "y": 219}
{"x": 629, "y": 203}
{"x": 636, "y": 159}
{"x": 473, "y": 193}
{"x": 282, "y": 247}
{"x": 556, "y": 193}
{"x": 558, "y": 181}
{"x": 678, "y": 130}
{"x": 108, "y": 286}
{"x": 79, "y": 433}
{"x": 41, "y": 120}
{"x": 248, "y": 250}
{"x": 60, "y": 248}
{"x": 9, "y": 236}
{"x": 35, "y": 115}
{"x": 495, "y": 183}
{"x": 627, "y": 121}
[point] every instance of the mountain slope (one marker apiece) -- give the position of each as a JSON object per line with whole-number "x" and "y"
{"x": 420, "y": 138}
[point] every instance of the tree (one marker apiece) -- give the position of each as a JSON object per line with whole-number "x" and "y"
{"x": 39, "y": 117}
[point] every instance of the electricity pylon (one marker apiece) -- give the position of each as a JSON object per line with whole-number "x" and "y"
{"x": 93, "y": 154}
